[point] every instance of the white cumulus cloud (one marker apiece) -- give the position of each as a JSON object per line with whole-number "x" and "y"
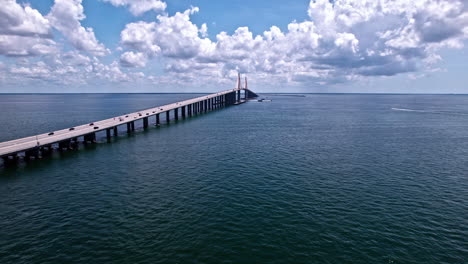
{"x": 138, "y": 7}
{"x": 133, "y": 59}
{"x": 65, "y": 16}
{"x": 340, "y": 41}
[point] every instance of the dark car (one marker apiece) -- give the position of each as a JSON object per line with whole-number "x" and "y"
{"x": 126, "y": 116}
{"x": 147, "y": 113}
{"x": 92, "y": 124}
{"x": 71, "y": 129}
{"x": 50, "y": 134}
{"x": 96, "y": 127}
{"x": 139, "y": 114}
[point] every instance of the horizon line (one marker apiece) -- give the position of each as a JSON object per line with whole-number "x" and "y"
{"x": 266, "y": 93}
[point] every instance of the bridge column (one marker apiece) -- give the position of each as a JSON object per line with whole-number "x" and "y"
{"x": 183, "y": 112}
{"x": 167, "y": 117}
{"x": 145, "y": 122}
{"x": 108, "y": 134}
{"x": 201, "y": 106}
{"x": 158, "y": 122}
{"x": 189, "y": 110}
{"x": 176, "y": 114}
{"x": 31, "y": 154}
{"x": 133, "y": 125}
{"x": 46, "y": 150}
{"x": 73, "y": 143}
{"x": 205, "y": 102}
{"x": 116, "y": 132}
{"x": 10, "y": 160}
{"x": 129, "y": 128}
{"x": 91, "y": 138}
{"x": 64, "y": 145}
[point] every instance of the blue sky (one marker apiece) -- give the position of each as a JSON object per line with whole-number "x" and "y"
{"x": 388, "y": 46}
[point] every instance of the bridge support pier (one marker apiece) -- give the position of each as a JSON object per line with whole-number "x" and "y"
{"x": 64, "y": 145}
{"x": 158, "y": 122}
{"x": 176, "y": 114}
{"x": 90, "y": 138}
{"x": 9, "y": 161}
{"x": 46, "y": 150}
{"x": 133, "y": 125}
{"x": 183, "y": 112}
{"x": 189, "y": 110}
{"x": 167, "y": 117}
{"x": 108, "y": 134}
{"x": 31, "y": 154}
{"x": 145, "y": 122}
{"x": 116, "y": 132}
{"x": 129, "y": 128}
{"x": 73, "y": 143}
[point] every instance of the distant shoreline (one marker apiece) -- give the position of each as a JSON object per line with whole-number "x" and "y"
{"x": 266, "y": 93}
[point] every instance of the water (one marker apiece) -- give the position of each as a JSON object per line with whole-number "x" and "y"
{"x": 315, "y": 179}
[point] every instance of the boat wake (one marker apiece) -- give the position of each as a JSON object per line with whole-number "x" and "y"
{"x": 407, "y": 110}
{"x": 429, "y": 111}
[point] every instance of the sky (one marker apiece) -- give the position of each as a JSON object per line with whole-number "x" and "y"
{"x": 330, "y": 46}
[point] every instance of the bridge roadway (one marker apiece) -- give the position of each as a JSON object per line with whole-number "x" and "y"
{"x": 13, "y": 147}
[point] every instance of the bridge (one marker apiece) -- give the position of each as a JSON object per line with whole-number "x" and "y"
{"x": 41, "y": 145}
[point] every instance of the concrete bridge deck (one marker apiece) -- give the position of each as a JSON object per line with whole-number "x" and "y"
{"x": 188, "y": 107}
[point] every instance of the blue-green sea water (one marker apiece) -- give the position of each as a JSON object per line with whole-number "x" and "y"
{"x": 315, "y": 179}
